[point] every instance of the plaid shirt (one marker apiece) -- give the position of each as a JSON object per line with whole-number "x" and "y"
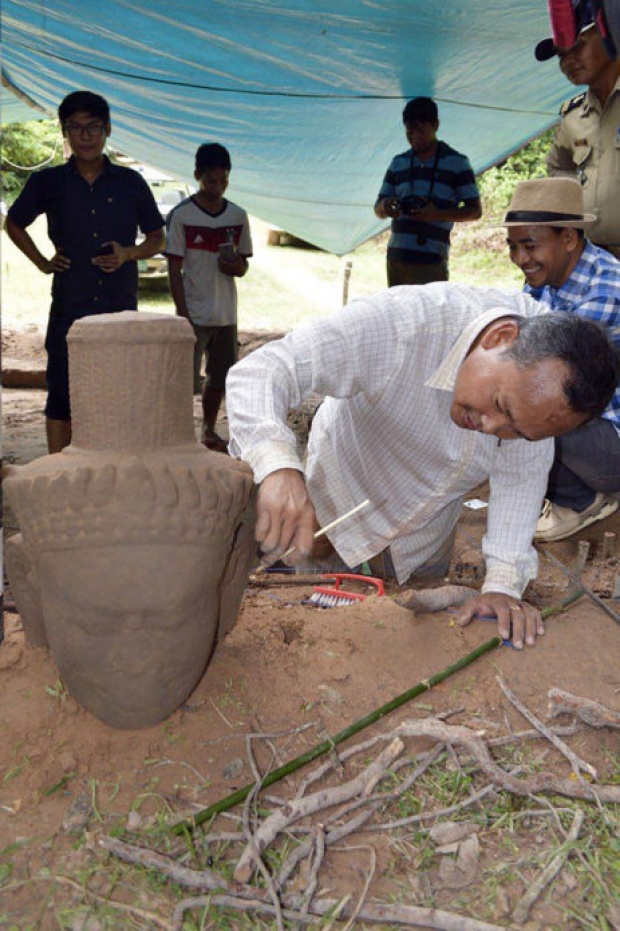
{"x": 387, "y": 366}
{"x": 593, "y": 291}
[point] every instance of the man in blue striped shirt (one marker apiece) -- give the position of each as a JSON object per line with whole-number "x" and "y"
{"x": 563, "y": 269}
{"x": 426, "y": 190}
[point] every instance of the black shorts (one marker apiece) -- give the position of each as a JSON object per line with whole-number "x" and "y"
{"x": 57, "y": 406}
{"x": 219, "y": 344}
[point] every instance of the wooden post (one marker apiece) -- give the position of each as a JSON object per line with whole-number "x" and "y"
{"x": 583, "y": 548}
{"x": 609, "y": 544}
{"x": 346, "y": 275}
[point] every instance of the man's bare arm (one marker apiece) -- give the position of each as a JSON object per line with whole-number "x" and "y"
{"x": 26, "y": 244}
{"x": 175, "y": 264}
{"x": 154, "y": 242}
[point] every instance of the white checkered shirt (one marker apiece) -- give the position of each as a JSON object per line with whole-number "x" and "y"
{"x": 387, "y": 367}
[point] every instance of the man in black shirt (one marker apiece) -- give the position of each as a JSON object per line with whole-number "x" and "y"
{"x": 94, "y": 210}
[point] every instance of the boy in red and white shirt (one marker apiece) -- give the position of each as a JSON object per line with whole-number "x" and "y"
{"x": 208, "y": 246}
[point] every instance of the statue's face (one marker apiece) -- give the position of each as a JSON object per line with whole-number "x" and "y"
{"x": 132, "y": 626}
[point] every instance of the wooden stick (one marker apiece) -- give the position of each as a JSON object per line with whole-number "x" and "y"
{"x": 406, "y": 916}
{"x": 458, "y": 734}
{"x": 591, "y": 712}
{"x": 521, "y": 910}
{"x": 299, "y": 808}
{"x": 583, "y": 548}
{"x": 576, "y": 762}
{"x": 580, "y": 587}
{"x": 609, "y": 544}
{"x": 320, "y": 532}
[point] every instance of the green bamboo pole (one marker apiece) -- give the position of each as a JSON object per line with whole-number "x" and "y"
{"x": 240, "y": 795}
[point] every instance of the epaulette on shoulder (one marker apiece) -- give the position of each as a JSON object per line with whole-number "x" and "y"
{"x": 569, "y": 105}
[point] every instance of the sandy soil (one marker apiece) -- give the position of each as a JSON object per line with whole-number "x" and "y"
{"x": 290, "y": 670}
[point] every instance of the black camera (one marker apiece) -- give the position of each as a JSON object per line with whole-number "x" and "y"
{"x": 412, "y": 202}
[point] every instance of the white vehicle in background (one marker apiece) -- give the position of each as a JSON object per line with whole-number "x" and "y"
{"x": 168, "y": 192}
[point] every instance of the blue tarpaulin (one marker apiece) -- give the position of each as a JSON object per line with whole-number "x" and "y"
{"x": 307, "y": 96}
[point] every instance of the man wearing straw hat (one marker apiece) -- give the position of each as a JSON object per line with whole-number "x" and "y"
{"x": 563, "y": 269}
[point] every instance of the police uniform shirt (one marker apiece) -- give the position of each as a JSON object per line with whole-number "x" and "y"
{"x": 587, "y": 146}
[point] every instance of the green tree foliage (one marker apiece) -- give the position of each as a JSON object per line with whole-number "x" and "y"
{"x": 31, "y": 145}
{"x": 497, "y": 183}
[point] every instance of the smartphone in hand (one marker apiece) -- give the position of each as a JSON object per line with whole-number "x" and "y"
{"x": 228, "y": 253}
{"x": 106, "y": 249}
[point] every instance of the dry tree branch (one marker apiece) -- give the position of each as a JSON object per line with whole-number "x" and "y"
{"x": 476, "y": 747}
{"x": 362, "y": 747}
{"x": 369, "y": 875}
{"x": 236, "y": 894}
{"x": 327, "y": 767}
{"x": 251, "y": 837}
{"x": 301, "y": 808}
{"x": 407, "y": 916}
{"x": 151, "y": 917}
{"x": 424, "y": 760}
{"x": 230, "y": 901}
{"x": 230, "y": 894}
{"x": 372, "y": 804}
{"x": 576, "y": 762}
{"x": 521, "y": 910}
{"x": 440, "y": 812}
{"x": 316, "y": 861}
{"x": 301, "y": 852}
{"x": 568, "y": 731}
{"x": 591, "y": 712}
{"x": 205, "y": 880}
{"x": 579, "y": 853}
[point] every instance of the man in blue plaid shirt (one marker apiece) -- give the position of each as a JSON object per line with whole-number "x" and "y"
{"x": 563, "y": 269}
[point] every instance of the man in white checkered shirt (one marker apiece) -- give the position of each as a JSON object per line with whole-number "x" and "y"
{"x": 421, "y": 394}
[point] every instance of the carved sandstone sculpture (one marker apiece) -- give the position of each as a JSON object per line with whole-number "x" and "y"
{"x": 135, "y": 542}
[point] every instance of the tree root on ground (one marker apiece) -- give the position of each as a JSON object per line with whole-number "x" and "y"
{"x": 339, "y": 806}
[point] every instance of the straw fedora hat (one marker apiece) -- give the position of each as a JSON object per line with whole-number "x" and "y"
{"x": 548, "y": 202}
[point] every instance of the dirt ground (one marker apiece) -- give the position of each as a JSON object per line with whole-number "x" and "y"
{"x": 292, "y": 674}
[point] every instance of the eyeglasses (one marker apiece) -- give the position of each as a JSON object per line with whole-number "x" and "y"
{"x": 84, "y": 129}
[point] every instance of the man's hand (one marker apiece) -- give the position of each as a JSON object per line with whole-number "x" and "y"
{"x": 391, "y": 207}
{"x": 285, "y": 516}
{"x": 516, "y": 620}
{"x": 58, "y": 263}
{"x": 236, "y": 269}
{"x": 429, "y": 214}
{"x": 113, "y": 260}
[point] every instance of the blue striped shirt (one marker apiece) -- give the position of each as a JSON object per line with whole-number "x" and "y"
{"x": 593, "y": 291}
{"x": 420, "y": 243}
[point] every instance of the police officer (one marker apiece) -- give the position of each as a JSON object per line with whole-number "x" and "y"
{"x": 587, "y": 143}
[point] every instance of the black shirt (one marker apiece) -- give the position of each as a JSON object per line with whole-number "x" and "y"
{"x": 80, "y": 218}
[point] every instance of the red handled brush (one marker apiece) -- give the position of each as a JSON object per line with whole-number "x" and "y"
{"x": 334, "y": 596}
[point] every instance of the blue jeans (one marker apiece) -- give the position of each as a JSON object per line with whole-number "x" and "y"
{"x": 587, "y": 461}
